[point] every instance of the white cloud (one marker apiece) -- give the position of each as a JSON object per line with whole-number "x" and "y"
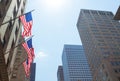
{"x": 41, "y": 54}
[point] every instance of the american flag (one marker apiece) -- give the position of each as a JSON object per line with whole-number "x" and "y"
{"x": 29, "y": 48}
{"x": 26, "y": 67}
{"x": 29, "y": 43}
{"x": 27, "y": 24}
{"x": 30, "y": 51}
{"x": 25, "y": 64}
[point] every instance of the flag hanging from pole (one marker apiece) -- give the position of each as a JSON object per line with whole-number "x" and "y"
{"x": 29, "y": 48}
{"x": 27, "y": 24}
{"x": 29, "y": 43}
{"x": 26, "y": 67}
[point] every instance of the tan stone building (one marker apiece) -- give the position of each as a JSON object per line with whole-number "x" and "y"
{"x": 109, "y": 69}
{"x": 11, "y": 57}
{"x": 100, "y": 35}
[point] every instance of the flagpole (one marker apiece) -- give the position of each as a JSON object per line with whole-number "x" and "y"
{"x": 17, "y": 45}
{"x": 16, "y": 17}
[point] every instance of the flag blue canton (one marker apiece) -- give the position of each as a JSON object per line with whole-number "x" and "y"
{"x": 28, "y": 17}
{"x": 29, "y": 43}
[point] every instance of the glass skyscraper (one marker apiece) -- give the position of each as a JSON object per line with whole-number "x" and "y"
{"x": 75, "y": 65}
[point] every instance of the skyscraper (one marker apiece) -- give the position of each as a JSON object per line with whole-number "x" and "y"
{"x": 33, "y": 71}
{"x": 100, "y": 35}
{"x": 117, "y": 15}
{"x": 75, "y": 65}
{"x": 11, "y": 55}
{"x": 60, "y": 76}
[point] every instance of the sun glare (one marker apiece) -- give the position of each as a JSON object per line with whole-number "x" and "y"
{"x": 54, "y": 4}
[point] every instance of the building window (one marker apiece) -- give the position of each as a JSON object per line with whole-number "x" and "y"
{"x": 12, "y": 44}
{"x": 7, "y": 1}
{"x": 16, "y": 67}
{"x": 0, "y": 14}
{"x": 1, "y": 1}
{"x": 0, "y": 75}
{"x": 16, "y": 31}
{"x": 102, "y": 13}
{"x": 10, "y": 24}
{"x": 19, "y": 21}
{"x": 4, "y": 41}
{"x": 18, "y": 3}
{"x": 14, "y": 75}
{"x": 24, "y": 3}
{"x": 110, "y": 13}
{"x": 108, "y": 79}
{"x": 22, "y": 10}
{"x": 115, "y": 63}
{"x": 86, "y": 11}
{"x": 103, "y": 66}
{"x": 94, "y": 12}
{"x": 8, "y": 61}
{"x": 116, "y": 53}
{"x": 116, "y": 71}
{"x": 14, "y": 12}
{"x": 118, "y": 78}
{"x": 106, "y": 74}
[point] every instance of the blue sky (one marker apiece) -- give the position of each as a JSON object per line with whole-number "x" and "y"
{"x": 54, "y": 24}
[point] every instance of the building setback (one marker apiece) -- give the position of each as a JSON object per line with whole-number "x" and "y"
{"x": 75, "y": 65}
{"x": 100, "y": 35}
{"x": 60, "y": 76}
{"x": 11, "y": 57}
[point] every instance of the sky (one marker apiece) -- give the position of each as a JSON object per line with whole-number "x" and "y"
{"x": 54, "y": 24}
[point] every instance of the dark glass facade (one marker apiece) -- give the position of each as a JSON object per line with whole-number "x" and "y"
{"x": 33, "y": 71}
{"x": 60, "y": 76}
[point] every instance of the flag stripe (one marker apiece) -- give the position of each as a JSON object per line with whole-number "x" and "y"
{"x": 27, "y": 49}
{"x": 27, "y": 24}
{"x": 26, "y": 67}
